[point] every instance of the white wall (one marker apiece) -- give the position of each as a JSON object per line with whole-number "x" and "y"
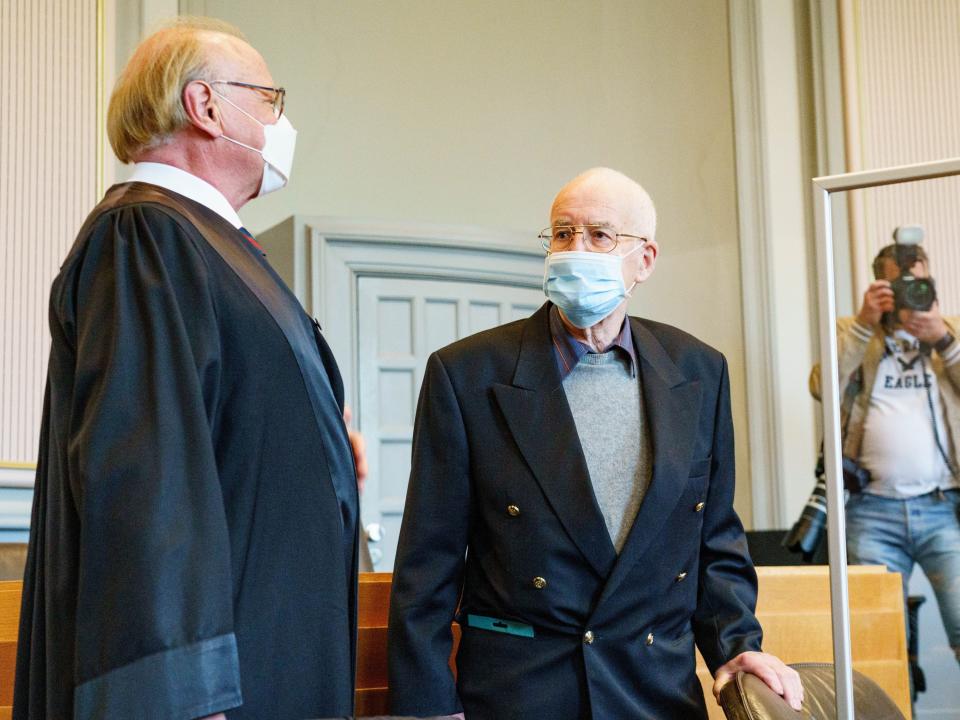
{"x": 477, "y": 112}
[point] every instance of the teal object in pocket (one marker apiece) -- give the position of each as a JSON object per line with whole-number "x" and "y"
{"x": 502, "y": 626}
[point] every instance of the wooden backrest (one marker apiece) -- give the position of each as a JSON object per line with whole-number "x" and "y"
{"x": 793, "y": 607}
{"x": 9, "y": 627}
{"x": 373, "y": 609}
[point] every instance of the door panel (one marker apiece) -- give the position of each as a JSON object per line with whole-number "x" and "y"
{"x": 401, "y": 321}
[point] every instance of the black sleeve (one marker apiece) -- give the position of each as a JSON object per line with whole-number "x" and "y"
{"x": 154, "y": 597}
{"x": 428, "y": 573}
{"x": 724, "y": 623}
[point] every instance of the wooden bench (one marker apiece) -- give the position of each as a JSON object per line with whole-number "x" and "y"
{"x": 793, "y": 606}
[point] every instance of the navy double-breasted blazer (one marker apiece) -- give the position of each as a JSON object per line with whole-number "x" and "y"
{"x": 501, "y": 522}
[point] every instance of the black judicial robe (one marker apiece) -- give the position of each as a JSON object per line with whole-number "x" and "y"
{"x": 194, "y": 529}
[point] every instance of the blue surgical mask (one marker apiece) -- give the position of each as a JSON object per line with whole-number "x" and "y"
{"x": 586, "y": 286}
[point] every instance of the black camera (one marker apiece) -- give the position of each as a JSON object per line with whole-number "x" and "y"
{"x": 806, "y": 535}
{"x": 909, "y": 291}
{"x": 855, "y": 476}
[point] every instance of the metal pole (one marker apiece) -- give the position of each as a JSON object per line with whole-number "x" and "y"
{"x": 830, "y": 400}
{"x": 890, "y": 175}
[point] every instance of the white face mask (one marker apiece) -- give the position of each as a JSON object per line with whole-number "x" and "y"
{"x": 279, "y": 142}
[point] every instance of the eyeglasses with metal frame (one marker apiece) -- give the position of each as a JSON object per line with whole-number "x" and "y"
{"x": 596, "y": 238}
{"x": 278, "y": 100}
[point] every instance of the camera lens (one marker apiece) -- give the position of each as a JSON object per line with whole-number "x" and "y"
{"x": 919, "y": 294}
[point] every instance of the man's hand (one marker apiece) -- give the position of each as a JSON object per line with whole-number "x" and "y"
{"x": 877, "y": 300}
{"x": 218, "y": 716}
{"x": 783, "y": 680}
{"x": 359, "y": 448}
{"x": 927, "y": 327}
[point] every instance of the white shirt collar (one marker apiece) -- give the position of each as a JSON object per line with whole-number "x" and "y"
{"x": 190, "y": 186}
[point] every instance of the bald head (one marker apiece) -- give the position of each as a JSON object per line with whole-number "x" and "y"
{"x": 229, "y": 56}
{"x": 600, "y": 196}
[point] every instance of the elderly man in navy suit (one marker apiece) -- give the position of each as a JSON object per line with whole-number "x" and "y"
{"x": 571, "y": 501}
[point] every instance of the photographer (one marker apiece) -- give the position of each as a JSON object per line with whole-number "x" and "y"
{"x": 900, "y": 373}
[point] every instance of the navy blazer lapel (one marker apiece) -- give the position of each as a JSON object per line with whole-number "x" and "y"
{"x": 537, "y": 413}
{"x": 672, "y": 406}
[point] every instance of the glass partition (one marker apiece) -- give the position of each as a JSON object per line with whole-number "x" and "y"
{"x": 884, "y": 345}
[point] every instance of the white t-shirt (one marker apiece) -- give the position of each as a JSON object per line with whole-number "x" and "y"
{"x": 899, "y": 447}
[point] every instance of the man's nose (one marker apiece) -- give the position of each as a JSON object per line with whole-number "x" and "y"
{"x": 579, "y": 243}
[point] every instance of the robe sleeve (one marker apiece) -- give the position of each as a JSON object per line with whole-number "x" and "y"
{"x": 154, "y": 635}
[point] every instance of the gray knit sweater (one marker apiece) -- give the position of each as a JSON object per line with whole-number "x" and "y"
{"x": 607, "y": 408}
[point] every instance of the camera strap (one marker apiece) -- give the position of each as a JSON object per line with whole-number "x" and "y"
{"x": 933, "y": 419}
{"x": 854, "y": 386}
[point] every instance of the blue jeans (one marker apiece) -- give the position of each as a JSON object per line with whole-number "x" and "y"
{"x": 898, "y": 533}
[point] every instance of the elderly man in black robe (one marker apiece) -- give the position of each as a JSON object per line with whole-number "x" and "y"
{"x": 193, "y": 548}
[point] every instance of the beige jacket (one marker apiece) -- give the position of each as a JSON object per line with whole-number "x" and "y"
{"x": 858, "y": 345}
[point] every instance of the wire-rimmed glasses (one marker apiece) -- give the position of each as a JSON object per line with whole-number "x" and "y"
{"x": 279, "y": 94}
{"x": 596, "y": 238}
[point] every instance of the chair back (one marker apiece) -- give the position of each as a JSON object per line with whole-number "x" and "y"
{"x": 748, "y": 697}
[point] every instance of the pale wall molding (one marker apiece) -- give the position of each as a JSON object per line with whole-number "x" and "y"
{"x": 754, "y": 263}
{"x": 17, "y": 477}
{"x": 775, "y": 244}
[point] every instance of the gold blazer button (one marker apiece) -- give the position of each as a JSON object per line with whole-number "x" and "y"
{"x": 700, "y": 506}
{"x": 539, "y": 583}
{"x": 513, "y": 510}
{"x": 649, "y": 638}
{"x": 681, "y": 577}
{"x": 588, "y": 637}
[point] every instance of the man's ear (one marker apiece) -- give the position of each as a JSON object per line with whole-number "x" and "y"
{"x": 201, "y": 109}
{"x": 648, "y": 259}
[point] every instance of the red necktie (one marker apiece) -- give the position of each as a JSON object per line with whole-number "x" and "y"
{"x": 246, "y": 233}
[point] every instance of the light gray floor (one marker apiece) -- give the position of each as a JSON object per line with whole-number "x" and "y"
{"x": 942, "y": 699}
